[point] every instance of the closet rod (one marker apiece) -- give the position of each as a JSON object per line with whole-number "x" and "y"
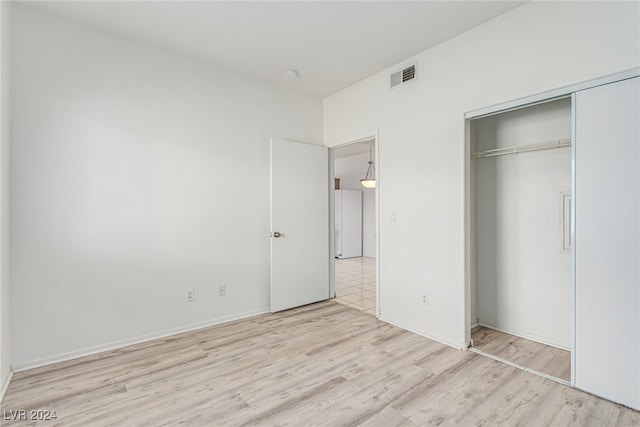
{"x": 539, "y": 146}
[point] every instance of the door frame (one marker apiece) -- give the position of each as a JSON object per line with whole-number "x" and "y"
{"x": 469, "y": 226}
{"x": 332, "y": 225}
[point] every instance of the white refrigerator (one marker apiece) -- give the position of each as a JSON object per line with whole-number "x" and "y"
{"x": 348, "y": 223}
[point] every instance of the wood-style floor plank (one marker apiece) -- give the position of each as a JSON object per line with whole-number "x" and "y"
{"x": 530, "y": 354}
{"x": 320, "y": 365}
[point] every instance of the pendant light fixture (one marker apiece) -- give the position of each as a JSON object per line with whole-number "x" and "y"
{"x": 369, "y": 180}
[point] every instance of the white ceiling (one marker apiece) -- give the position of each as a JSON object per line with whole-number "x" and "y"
{"x": 332, "y": 44}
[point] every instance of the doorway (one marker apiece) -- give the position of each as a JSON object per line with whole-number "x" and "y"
{"x": 521, "y": 305}
{"x": 354, "y": 225}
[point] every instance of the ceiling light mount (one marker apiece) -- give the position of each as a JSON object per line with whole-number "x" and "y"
{"x": 290, "y": 73}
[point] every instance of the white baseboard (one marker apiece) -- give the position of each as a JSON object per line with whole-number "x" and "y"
{"x": 5, "y": 385}
{"x": 457, "y": 346}
{"x": 528, "y": 336}
{"x": 63, "y": 357}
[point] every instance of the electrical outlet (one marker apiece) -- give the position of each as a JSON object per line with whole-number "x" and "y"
{"x": 425, "y": 298}
{"x": 222, "y": 290}
{"x": 190, "y": 296}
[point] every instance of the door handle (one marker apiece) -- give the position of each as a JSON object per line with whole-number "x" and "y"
{"x": 276, "y": 234}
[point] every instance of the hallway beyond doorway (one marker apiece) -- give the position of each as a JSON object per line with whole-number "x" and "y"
{"x": 356, "y": 283}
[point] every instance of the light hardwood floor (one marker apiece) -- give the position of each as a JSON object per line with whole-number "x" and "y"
{"x": 322, "y": 364}
{"x": 539, "y": 357}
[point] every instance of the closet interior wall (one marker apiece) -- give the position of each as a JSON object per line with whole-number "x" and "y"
{"x": 521, "y": 283}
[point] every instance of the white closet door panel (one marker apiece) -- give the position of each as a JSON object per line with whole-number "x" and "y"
{"x": 607, "y": 241}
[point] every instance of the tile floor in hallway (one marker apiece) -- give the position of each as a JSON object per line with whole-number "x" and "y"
{"x": 356, "y": 283}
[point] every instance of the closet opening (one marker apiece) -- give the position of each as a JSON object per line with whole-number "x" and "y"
{"x": 520, "y": 191}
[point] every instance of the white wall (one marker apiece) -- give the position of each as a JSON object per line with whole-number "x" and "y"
{"x": 136, "y": 175}
{"x": 521, "y": 268}
{"x": 351, "y": 170}
{"x": 5, "y": 291}
{"x": 534, "y": 48}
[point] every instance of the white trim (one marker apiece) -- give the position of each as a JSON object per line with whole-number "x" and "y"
{"x": 5, "y": 385}
{"x": 361, "y": 138}
{"x": 457, "y": 346}
{"x": 271, "y": 228}
{"x": 573, "y": 239}
{"x": 515, "y": 365}
{"x": 530, "y": 337}
{"x": 469, "y": 277}
{"x": 551, "y": 95}
{"x": 62, "y": 357}
{"x": 376, "y": 149}
{"x": 332, "y": 223}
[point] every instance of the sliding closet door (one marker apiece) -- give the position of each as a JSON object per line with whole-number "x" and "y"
{"x": 607, "y": 241}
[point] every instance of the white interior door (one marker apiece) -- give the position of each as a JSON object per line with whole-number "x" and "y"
{"x": 299, "y": 224}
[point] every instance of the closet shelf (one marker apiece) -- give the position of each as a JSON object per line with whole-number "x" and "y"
{"x": 539, "y": 146}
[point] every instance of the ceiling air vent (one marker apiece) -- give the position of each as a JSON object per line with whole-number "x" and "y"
{"x": 403, "y": 76}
